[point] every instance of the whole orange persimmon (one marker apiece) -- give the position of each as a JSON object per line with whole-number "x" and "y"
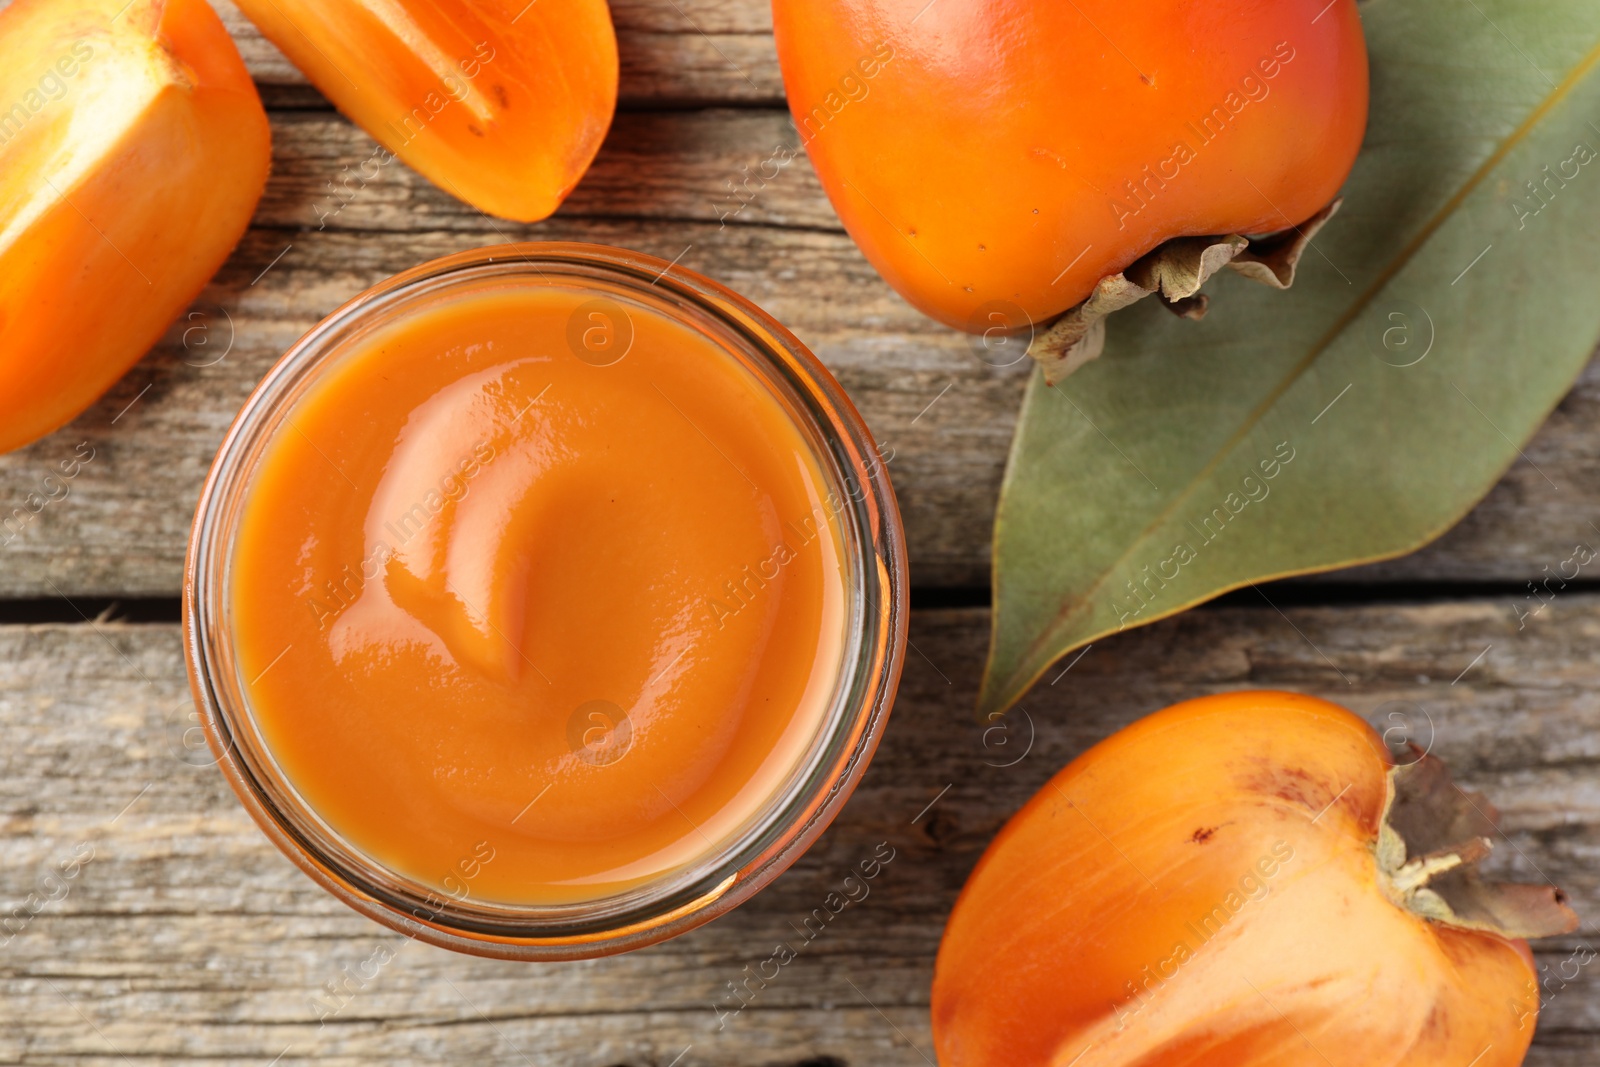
{"x": 1008, "y": 154}
{"x": 501, "y": 103}
{"x": 133, "y": 149}
{"x": 1241, "y": 881}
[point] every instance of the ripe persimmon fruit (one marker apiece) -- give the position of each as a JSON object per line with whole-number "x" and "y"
{"x": 133, "y": 149}
{"x": 1011, "y": 153}
{"x": 1243, "y": 880}
{"x": 501, "y": 103}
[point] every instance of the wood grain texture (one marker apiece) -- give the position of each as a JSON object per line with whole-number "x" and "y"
{"x": 661, "y": 185}
{"x": 187, "y": 936}
{"x": 686, "y": 53}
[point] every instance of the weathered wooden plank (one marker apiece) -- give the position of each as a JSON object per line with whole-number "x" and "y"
{"x": 724, "y": 165}
{"x": 660, "y": 185}
{"x": 683, "y": 53}
{"x": 121, "y": 528}
{"x": 188, "y": 936}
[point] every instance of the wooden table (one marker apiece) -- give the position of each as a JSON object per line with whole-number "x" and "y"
{"x": 186, "y": 936}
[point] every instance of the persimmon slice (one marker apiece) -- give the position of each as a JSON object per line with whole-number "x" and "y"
{"x": 133, "y": 149}
{"x": 501, "y": 103}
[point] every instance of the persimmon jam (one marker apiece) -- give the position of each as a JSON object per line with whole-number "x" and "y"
{"x": 536, "y": 598}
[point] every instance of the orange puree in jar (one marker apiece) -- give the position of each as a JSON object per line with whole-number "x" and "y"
{"x": 529, "y": 627}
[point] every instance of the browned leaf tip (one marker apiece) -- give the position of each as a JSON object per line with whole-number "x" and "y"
{"x": 1505, "y": 908}
{"x": 1176, "y": 269}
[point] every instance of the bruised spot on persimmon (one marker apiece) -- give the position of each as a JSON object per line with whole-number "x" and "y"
{"x": 1109, "y": 941}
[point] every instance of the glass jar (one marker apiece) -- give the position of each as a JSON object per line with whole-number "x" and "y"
{"x": 874, "y": 565}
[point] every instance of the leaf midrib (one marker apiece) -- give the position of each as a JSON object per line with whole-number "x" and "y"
{"x": 1574, "y": 78}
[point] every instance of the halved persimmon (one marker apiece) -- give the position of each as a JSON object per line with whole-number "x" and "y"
{"x": 1245, "y": 880}
{"x": 501, "y": 103}
{"x": 133, "y": 149}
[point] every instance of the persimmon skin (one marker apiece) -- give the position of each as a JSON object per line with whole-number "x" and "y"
{"x": 1064, "y": 945}
{"x": 120, "y": 195}
{"x": 501, "y": 103}
{"x": 981, "y": 168}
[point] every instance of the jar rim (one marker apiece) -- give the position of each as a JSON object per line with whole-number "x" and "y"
{"x": 873, "y": 545}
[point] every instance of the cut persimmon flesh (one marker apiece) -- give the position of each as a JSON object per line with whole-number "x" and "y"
{"x": 501, "y": 103}
{"x": 133, "y": 149}
{"x": 1250, "y": 879}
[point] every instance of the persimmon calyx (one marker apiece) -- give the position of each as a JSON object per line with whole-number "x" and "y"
{"x": 1176, "y": 269}
{"x": 1431, "y": 839}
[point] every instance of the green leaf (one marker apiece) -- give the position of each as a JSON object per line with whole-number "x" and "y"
{"x": 1140, "y": 485}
